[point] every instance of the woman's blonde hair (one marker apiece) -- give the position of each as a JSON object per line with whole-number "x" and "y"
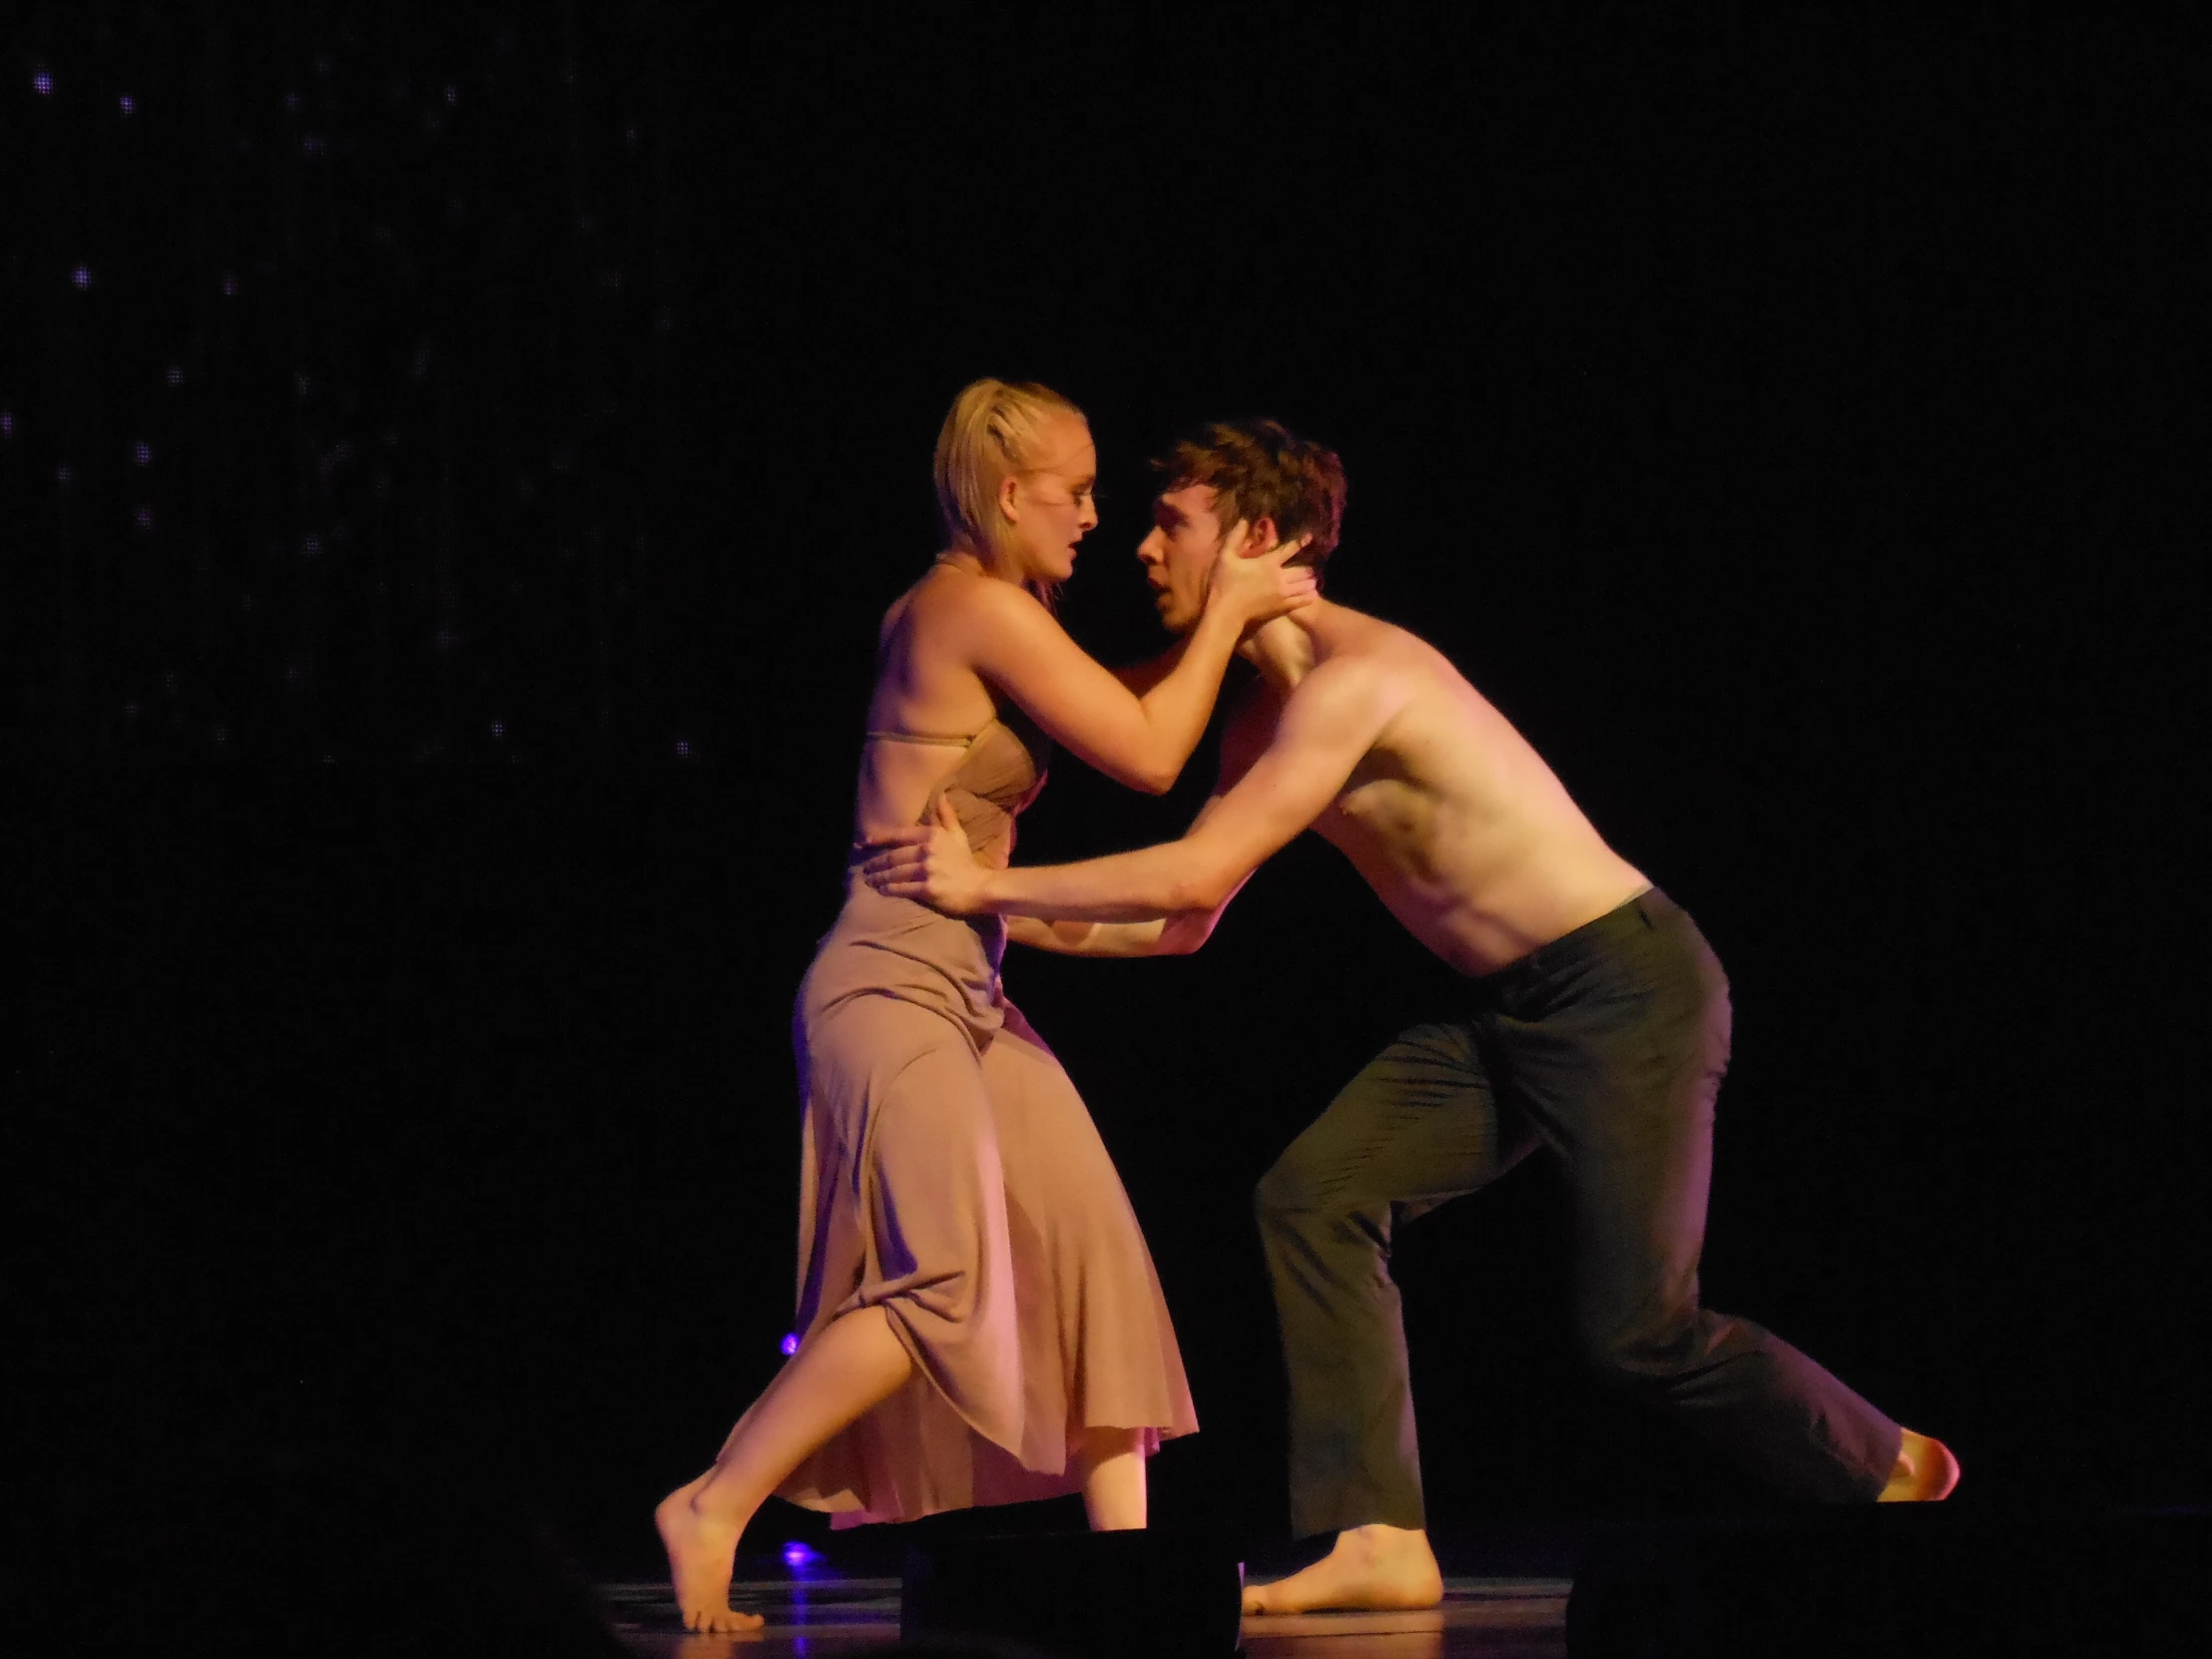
{"x": 993, "y": 429}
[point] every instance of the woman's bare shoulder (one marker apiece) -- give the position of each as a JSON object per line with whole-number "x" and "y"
{"x": 950, "y": 599}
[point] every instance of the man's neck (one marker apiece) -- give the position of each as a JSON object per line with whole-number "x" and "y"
{"x": 1286, "y": 650}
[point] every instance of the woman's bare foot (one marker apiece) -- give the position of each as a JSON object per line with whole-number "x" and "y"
{"x": 702, "y": 1554}
{"x": 1372, "y": 1567}
{"x": 1925, "y": 1472}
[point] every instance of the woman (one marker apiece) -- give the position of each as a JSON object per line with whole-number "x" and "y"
{"x": 980, "y": 1320}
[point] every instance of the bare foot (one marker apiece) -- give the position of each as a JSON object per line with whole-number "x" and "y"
{"x": 702, "y": 1554}
{"x": 1925, "y": 1472}
{"x": 1371, "y": 1568}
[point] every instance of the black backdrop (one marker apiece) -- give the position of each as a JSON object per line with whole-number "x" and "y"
{"x": 451, "y": 472}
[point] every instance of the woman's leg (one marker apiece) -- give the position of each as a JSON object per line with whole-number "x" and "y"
{"x": 1098, "y": 1349}
{"x": 853, "y": 1363}
{"x": 1112, "y": 1462}
{"x": 928, "y": 1188}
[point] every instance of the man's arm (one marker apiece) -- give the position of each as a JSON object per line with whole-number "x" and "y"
{"x": 1327, "y": 726}
{"x": 1176, "y": 936}
{"x": 1088, "y": 938}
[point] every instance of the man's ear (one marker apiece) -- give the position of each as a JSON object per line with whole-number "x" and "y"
{"x": 1260, "y": 537}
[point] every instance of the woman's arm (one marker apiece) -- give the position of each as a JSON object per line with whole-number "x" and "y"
{"x": 1137, "y": 739}
{"x": 1142, "y": 677}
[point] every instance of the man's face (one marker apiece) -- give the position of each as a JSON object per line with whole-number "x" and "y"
{"x": 1178, "y": 555}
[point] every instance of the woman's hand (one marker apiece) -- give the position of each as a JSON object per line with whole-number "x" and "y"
{"x": 1259, "y": 587}
{"x": 931, "y": 864}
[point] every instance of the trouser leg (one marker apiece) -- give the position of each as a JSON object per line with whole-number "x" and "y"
{"x": 1621, "y": 1079}
{"x": 1416, "y": 1126}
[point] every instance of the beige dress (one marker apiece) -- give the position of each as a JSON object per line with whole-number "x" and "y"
{"x": 950, "y": 1175}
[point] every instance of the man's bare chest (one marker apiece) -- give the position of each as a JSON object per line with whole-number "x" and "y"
{"x": 1380, "y": 813}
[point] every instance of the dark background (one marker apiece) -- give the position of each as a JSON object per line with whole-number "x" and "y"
{"x": 450, "y": 467}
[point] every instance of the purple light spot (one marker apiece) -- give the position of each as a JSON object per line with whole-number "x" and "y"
{"x": 7, "y": 423}
{"x": 229, "y": 282}
{"x": 128, "y": 104}
{"x": 499, "y": 728}
{"x": 683, "y": 750}
{"x": 453, "y": 94}
{"x": 42, "y": 82}
{"x": 291, "y": 102}
{"x": 130, "y": 710}
{"x": 790, "y": 1345}
{"x": 143, "y": 519}
{"x": 82, "y": 276}
{"x": 222, "y": 733}
{"x": 175, "y": 374}
{"x": 311, "y": 546}
{"x": 311, "y": 146}
{"x": 64, "y": 476}
{"x": 143, "y": 453}
{"x": 797, "y": 1555}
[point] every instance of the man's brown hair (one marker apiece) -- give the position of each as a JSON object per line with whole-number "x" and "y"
{"x": 1258, "y": 469}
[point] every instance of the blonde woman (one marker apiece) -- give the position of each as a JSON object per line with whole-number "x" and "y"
{"x": 979, "y": 1317}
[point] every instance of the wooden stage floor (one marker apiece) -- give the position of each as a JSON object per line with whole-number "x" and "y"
{"x": 827, "y": 1614}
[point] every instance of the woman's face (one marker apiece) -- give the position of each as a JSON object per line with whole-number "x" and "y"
{"x": 1047, "y": 508}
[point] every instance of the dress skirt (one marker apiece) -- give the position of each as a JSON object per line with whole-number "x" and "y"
{"x": 951, "y": 1176}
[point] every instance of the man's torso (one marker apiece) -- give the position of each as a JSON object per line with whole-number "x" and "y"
{"x": 1458, "y": 825}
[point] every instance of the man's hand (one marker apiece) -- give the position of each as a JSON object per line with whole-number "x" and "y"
{"x": 930, "y": 863}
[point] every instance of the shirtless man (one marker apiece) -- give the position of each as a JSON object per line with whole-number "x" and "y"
{"x": 1596, "y": 1030}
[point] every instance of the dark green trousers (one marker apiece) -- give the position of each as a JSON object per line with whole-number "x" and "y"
{"x": 1604, "y": 1048}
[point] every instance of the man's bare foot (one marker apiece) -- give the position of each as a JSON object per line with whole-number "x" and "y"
{"x": 702, "y": 1554}
{"x": 1925, "y": 1472}
{"x": 1372, "y": 1567}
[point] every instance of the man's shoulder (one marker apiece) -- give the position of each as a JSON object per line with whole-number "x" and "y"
{"x": 1360, "y": 637}
{"x": 1353, "y": 689}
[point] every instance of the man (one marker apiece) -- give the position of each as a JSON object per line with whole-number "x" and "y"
{"x": 1597, "y": 1029}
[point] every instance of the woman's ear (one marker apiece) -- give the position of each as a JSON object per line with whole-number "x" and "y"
{"x": 1009, "y": 498}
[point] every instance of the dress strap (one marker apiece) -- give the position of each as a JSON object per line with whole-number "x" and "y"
{"x": 924, "y": 737}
